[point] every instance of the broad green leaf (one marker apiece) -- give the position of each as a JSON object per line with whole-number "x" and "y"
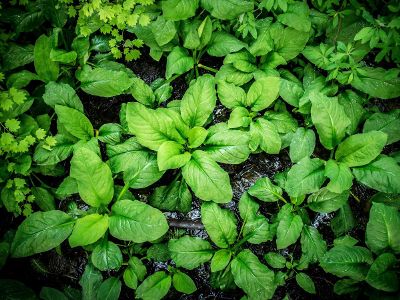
{"x": 227, "y": 10}
{"x": 199, "y": 101}
{"x": 325, "y": 201}
{"x": 154, "y": 287}
{"x": 275, "y": 260}
{"x": 138, "y": 165}
{"x": 142, "y": 92}
{"x": 262, "y": 93}
{"x": 110, "y": 133}
{"x": 257, "y": 230}
{"x": 106, "y": 256}
{"x": 40, "y": 232}
{"x": 163, "y": 30}
{"x": 305, "y": 282}
{"x": 62, "y": 94}
{"x": 223, "y": 43}
{"x": 207, "y": 179}
{"x": 360, "y": 149}
{"x": 380, "y": 276}
{"x": 93, "y": 176}
{"x": 183, "y": 283}
{"x": 14, "y": 290}
{"x": 387, "y": 199}
{"x": 296, "y": 16}
{"x": 346, "y": 261}
{"x": 227, "y": 146}
{"x": 220, "y": 260}
{"x": 262, "y": 45}
{"x": 17, "y": 56}
{"x": 302, "y": 144}
{"x": 305, "y": 177}
{"x": 170, "y": 155}
{"x": 88, "y": 230}
{"x": 382, "y": 228}
{"x": 190, "y": 252}
{"x": 67, "y": 187}
{"x": 248, "y": 207}
{"x": 135, "y": 272}
{"x": 47, "y": 293}
{"x": 353, "y": 107}
{"x": 343, "y": 220}
{"x": 90, "y": 282}
{"x": 178, "y": 62}
{"x": 21, "y": 79}
{"x": 330, "y": 120}
{"x": 136, "y": 221}
{"x": 289, "y": 230}
{"x": 177, "y": 10}
{"x": 264, "y": 134}
{"x": 346, "y": 286}
{"x": 254, "y": 278}
{"x": 230, "y": 95}
{"x": 340, "y": 176}
{"x": 197, "y": 136}
{"x": 382, "y": 174}
{"x": 153, "y": 127}
{"x": 239, "y": 117}
{"x": 377, "y": 82}
{"x": 45, "y": 68}
{"x": 219, "y": 223}
{"x": 232, "y": 75}
{"x": 388, "y": 123}
{"x": 43, "y": 198}
{"x": 104, "y": 82}
{"x": 174, "y": 197}
{"x": 110, "y": 289}
{"x": 313, "y": 246}
{"x": 263, "y": 189}
{"x": 75, "y": 122}
{"x": 63, "y": 56}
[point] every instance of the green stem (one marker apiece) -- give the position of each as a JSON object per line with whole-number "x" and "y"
{"x": 332, "y": 154}
{"x": 196, "y": 70}
{"x": 355, "y": 197}
{"x": 207, "y": 68}
{"x": 172, "y": 78}
{"x": 123, "y": 191}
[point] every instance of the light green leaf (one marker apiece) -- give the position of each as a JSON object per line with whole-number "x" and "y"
{"x": 230, "y": 95}
{"x": 93, "y": 176}
{"x": 106, "y": 256}
{"x": 155, "y": 287}
{"x": 289, "y": 230}
{"x": 227, "y": 10}
{"x": 325, "y": 201}
{"x": 264, "y": 134}
{"x": 340, "y": 176}
{"x": 176, "y": 10}
{"x": 88, "y": 230}
{"x": 207, "y": 179}
{"x": 275, "y": 260}
{"x": 197, "y": 136}
{"x": 263, "y": 189}
{"x": 135, "y": 272}
{"x": 163, "y": 30}
{"x": 75, "y": 122}
{"x": 248, "y": 207}
{"x": 296, "y": 16}
{"x": 183, "y": 283}
{"x": 136, "y": 221}
{"x": 219, "y": 223}
{"x": 353, "y": 107}
{"x": 388, "y": 123}
{"x": 302, "y": 144}
{"x": 239, "y": 117}
{"x": 62, "y": 94}
{"x": 257, "y": 230}
{"x": 220, "y": 260}
{"x": 223, "y": 43}
{"x": 178, "y": 62}
{"x": 170, "y": 156}
{"x": 142, "y": 92}
{"x": 262, "y": 93}
{"x": 63, "y": 56}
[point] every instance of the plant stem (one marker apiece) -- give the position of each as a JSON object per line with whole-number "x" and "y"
{"x": 172, "y": 78}
{"x": 123, "y": 191}
{"x": 207, "y": 68}
{"x": 355, "y": 197}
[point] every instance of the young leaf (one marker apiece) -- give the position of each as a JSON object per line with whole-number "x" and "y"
{"x": 302, "y": 144}
{"x": 170, "y": 156}
{"x": 305, "y": 282}
{"x": 178, "y": 62}
{"x": 230, "y": 95}
{"x": 220, "y": 260}
{"x": 289, "y": 230}
{"x": 262, "y": 93}
{"x": 183, "y": 283}
{"x": 142, "y": 92}
{"x": 340, "y": 176}
{"x": 110, "y": 289}
{"x": 75, "y": 122}
{"x": 223, "y": 43}
{"x": 106, "y": 256}
{"x": 155, "y": 287}
{"x": 62, "y": 94}
{"x": 264, "y": 134}
{"x": 325, "y": 201}
{"x": 174, "y": 197}
{"x": 275, "y": 260}
{"x": 264, "y": 190}
{"x": 44, "y": 66}
{"x": 88, "y": 230}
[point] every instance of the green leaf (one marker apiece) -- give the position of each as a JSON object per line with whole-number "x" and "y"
{"x": 199, "y": 101}
{"x": 40, "y": 232}
{"x": 382, "y": 174}
{"x": 232, "y": 75}
{"x": 377, "y": 82}
{"x": 190, "y": 252}
{"x": 90, "y": 282}
{"x": 43, "y": 198}
{"x": 388, "y": 123}
{"x": 223, "y": 43}
{"x": 220, "y": 260}
{"x": 106, "y": 256}
{"x": 254, "y": 278}
{"x": 21, "y": 79}
{"x": 262, "y": 93}
{"x": 248, "y": 207}
{"x": 178, "y": 62}
{"x": 257, "y": 230}
{"x": 227, "y": 146}
{"x": 275, "y": 260}
{"x": 110, "y": 133}
{"x": 110, "y": 289}
{"x": 153, "y": 127}
{"x": 183, "y": 283}
{"x": 60, "y": 152}
{"x": 313, "y": 246}
{"x": 346, "y": 286}
{"x": 360, "y": 149}
{"x": 62, "y": 94}
{"x": 136, "y": 221}
{"x": 380, "y": 276}
{"x": 170, "y": 155}
{"x": 47, "y": 293}
{"x": 104, "y": 82}
{"x": 302, "y": 144}
{"x": 262, "y": 45}
{"x": 230, "y": 95}
{"x": 325, "y": 201}
{"x": 353, "y": 107}
{"x": 227, "y": 10}
{"x": 382, "y": 228}
{"x": 340, "y": 176}
{"x": 219, "y": 223}
{"x": 155, "y": 287}
{"x": 63, "y": 56}
{"x": 135, "y": 272}
{"x": 207, "y": 179}
{"x": 197, "y": 136}
{"x": 289, "y": 230}
{"x": 343, "y": 221}
{"x": 88, "y": 230}
{"x": 142, "y": 92}
{"x": 264, "y": 190}
{"x": 330, "y": 120}
{"x": 297, "y": 17}
{"x": 67, "y": 187}
{"x": 239, "y": 117}
{"x": 305, "y": 282}
{"x": 93, "y": 176}
{"x": 14, "y": 290}
{"x": 177, "y": 10}
{"x": 264, "y": 134}
{"x": 305, "y": 177}
{"x": 75, "y": 122}
{"x": 347, "y": 261}
{"x": 139, "y": 166}
{"x": 17, "y": 56}
{"x": 163, "y": 30}
{"x": 44, "y": 66}
{"x": 174, "y": 197}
